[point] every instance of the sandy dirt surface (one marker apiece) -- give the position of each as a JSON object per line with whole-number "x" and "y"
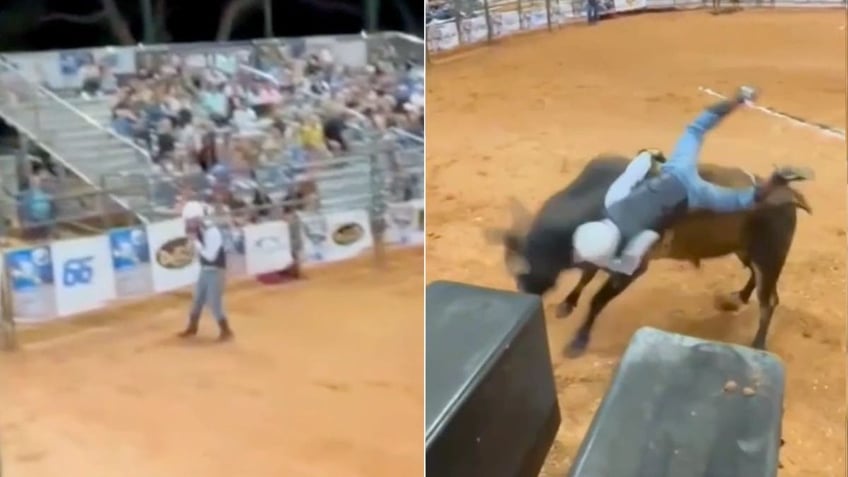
{"x": 325, "y": 378}
{"x": 521, "y": 117}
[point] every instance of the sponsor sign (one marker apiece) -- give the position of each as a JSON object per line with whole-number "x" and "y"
{"x": 473, "y": 30}
{"x": 442, "y": 36}
{"x": 629, "y": 5}
{"x": 405, "y": 223}
{"x": 31, "y": 275}
{"x": 174, "y": 261}
{"x": 534, "y": 19}
{"x": 131, "y": 262}
{"x": 84, "y": 276}
{"x": 505, "y": 23}
{"x": 335, "y": 236}
{"x": 267, "y": 247}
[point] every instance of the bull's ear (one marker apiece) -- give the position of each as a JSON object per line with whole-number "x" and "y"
{"x": 516, "y": 264}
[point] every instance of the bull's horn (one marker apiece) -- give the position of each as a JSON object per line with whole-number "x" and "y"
{"x": 800, "y": 201}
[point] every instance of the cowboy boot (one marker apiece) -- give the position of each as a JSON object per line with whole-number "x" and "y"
{"x": 191, "y": 329}
{"x": 226, "y": 333}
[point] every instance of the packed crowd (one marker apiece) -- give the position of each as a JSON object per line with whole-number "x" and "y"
{"x": 221, "y": 129}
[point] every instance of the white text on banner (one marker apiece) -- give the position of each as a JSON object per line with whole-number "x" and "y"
{"x": 174, "y": 260}
{"x": 267, "y": 247}
{"x": 335, "y": 236}
{"x": 33, "y": 293}
{"x": 85, "y": 279}
{"x": 405, "y": 223}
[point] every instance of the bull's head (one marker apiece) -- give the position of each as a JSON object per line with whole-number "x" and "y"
{"x": 531, "y": 276}
{"x": 786, "y": 194}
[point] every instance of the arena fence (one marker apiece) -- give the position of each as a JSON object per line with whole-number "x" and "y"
{"x": 62, "y": 278}
{"x": 477, "y": 22}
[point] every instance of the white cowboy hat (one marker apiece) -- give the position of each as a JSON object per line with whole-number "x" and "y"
{"x": 596, "y": 242}
{"x": 194, "y": 210}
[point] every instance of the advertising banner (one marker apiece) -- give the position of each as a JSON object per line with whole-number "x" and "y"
{"x": 534, "y": 19}
{"x": 234, "y": 247}
{"x": 442, "y": 36}
{"x": 473, "y": 30}
{"x": 405, "y": 223}
{"x": 84, "y": 277}
{"x": 267, "y": 247}
{"x": 31, "y": 273}
{"x": 629, "y": 5}
{"x": 335, "y": 236}
{"x": 505, "y": 23}
{"x": 131, "y": 262}
{"x": 174, "y": 261}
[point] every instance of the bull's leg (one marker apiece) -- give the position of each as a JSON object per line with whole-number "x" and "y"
{"x": 614, "y": 285}
{"x": 568, "y": 305}
{"x": 768, "y": 301}
{"x": 738, "y": 299}
{"x": 768, "y": 251}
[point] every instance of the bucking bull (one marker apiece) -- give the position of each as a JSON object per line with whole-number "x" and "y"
{"x": 537, "y": 249}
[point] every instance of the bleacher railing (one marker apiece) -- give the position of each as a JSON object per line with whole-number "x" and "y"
{"x": 463, "y": 23}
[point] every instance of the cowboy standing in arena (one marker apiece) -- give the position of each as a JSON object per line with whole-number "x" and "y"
{"x": 209, "y": 290}
{"x": 639, "y": 209}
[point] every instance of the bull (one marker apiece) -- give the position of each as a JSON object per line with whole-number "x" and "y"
{"x": 538, "y": 248}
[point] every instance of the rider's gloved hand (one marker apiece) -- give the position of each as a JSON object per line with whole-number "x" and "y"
{"x": 746, "y": 94}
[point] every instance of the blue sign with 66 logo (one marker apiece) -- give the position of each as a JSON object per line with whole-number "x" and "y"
{"x": 77, "y": 271}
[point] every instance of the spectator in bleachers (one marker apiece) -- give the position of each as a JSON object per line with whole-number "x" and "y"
{"x": 36, "y": 210}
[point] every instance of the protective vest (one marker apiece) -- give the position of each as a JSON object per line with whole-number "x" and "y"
{"x": 220, "y": 260}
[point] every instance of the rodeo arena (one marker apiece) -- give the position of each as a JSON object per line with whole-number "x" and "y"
{"x": 308, "y": 155}
{"x": 726, "y": 358}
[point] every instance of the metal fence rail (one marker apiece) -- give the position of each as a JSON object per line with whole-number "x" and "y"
{"x": 461, "y": 23}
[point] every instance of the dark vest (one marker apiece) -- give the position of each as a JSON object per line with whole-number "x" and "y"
{"x": 220, "y": 260}
{"x": 654, "y": 204}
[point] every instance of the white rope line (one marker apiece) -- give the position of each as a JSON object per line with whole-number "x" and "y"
{"x": 821, "y": 128}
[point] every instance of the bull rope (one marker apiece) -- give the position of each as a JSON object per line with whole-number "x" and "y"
{"x": 798, "y": 121}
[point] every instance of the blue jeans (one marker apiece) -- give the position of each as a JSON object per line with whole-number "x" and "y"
{"x": 593, "y": 11}
{"x": 683, "y": 164}
{"x": 209, "y": 290}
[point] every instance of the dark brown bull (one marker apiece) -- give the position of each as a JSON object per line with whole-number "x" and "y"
{"x": 538, "y": 248}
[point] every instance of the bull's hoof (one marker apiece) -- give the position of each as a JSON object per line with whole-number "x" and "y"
{"x": 564, "y": 309}
{"x": 728, "y": 302}
{"x": 577, "y": 347}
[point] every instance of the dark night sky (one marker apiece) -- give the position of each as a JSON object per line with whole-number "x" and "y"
{"x": 21, "y": 27}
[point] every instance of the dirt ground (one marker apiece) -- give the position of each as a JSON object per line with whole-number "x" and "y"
{"x": 521, "y": 117}
{"x": 325, "y": 378}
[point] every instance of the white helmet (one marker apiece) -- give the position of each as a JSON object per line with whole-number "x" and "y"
{"x": 596, "y": 242}
{"x": 194, "y": 210}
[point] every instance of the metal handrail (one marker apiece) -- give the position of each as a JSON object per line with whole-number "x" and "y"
{"x": 53, "y": 152}
{"x": 86, "y": 118}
